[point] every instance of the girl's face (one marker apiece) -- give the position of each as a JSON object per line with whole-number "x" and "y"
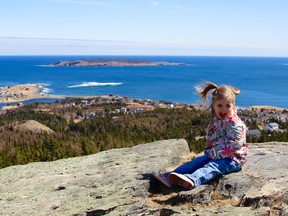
{"x": 223, "y": 108}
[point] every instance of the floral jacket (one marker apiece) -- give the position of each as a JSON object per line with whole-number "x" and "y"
{"x": 227, "y": 138}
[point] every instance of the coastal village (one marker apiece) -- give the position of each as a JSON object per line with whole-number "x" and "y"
{"x": 266, "y": 118}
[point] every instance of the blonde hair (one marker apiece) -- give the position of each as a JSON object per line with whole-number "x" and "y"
{"x": 217, "y": 92}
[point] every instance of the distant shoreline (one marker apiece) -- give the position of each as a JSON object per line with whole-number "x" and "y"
{"x": 101, "y": 62}
{"x": 11, "y": 95}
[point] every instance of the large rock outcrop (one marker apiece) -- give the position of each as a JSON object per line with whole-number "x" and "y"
{"x": 118, "y": 182}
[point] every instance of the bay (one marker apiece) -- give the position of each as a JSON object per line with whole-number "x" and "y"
{"x": 262, "y": 80}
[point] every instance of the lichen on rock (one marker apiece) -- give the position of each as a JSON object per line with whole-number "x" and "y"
{"x": 118, "y": 182}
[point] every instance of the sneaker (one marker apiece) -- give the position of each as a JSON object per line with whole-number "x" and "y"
{"x": 162, "y": 178}
{"x": 181, "y": 180}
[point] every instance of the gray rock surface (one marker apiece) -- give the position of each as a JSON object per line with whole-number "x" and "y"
{"x": 118, "y": 182}
{"x": 110, "y": 182}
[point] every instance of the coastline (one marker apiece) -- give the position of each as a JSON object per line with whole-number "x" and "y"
{"x": 24, "y": 92}
{"x": 267, "y": 107}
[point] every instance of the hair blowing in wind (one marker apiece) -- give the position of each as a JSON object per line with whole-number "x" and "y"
{"x": 217, "y": 92}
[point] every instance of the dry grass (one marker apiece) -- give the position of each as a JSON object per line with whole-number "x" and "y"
{"x": 166, "y": 197}
{"x": 33, "y": 126}
{"x": 166, "y": 201}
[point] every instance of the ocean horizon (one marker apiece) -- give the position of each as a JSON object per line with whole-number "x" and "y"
{"x": 261, "y": 80}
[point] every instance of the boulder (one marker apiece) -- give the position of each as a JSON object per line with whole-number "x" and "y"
{"x": 113, "y": 182}
{"x": 118, "y": 182}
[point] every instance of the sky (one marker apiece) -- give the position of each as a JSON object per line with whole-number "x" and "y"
{"x": 144, "y": 27}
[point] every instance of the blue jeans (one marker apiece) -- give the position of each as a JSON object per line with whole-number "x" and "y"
{"x": 202, "y": 169}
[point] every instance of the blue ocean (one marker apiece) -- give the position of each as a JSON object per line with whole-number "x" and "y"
{"x": 262, "y": 80}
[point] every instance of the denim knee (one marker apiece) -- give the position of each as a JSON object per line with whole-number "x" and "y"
{"x": 213, "y": 169}
{"x": 225, "y": 166}
{"x": 231, "y": 166}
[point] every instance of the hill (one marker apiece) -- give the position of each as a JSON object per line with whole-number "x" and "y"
{"x": 33, "y": 126}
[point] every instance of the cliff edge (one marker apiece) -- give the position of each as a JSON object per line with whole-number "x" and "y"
{"x": 118, "y": 182}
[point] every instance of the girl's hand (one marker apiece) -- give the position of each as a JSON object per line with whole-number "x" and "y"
{"x": 215, "y": 155}
{"x": 212, "y": 154}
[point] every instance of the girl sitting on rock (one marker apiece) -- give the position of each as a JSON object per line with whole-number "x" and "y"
{"x": 225, "y": 150}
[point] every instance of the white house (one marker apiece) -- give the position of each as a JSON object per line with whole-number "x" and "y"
{"x": 123, "y": 109}
{"x": 117, "y": 111}
{"x": 84, "y": 102}
{"x": 271, "y": 127}
{"x": 169, "y": 106}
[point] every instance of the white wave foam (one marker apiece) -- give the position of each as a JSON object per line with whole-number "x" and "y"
{"x": 286, "y": 64}
{"x": 89, "y": 84}
{"x": 42, "y": 65}
{"x": 45, "y": 90}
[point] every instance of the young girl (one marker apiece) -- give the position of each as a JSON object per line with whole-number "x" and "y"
{"x": 225, "y": 150}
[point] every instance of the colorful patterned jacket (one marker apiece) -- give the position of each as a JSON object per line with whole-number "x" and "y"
{"x": 227, "y": 138}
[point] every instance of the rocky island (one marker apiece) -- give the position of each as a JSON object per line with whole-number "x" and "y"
{"x": 110, "y": 62}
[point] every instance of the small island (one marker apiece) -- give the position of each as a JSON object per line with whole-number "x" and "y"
{"x": 101, "y": 62}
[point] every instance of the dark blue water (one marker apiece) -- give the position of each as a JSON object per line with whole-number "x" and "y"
{"x": 262, "y": 81}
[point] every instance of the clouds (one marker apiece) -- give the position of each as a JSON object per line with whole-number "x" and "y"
{"x": 184, "y": 23}
{"x": 85, "y": 2}
{"x": 155, "y": 3}
{"x": 114, "y": 3}
{"x": 48, "y": 46}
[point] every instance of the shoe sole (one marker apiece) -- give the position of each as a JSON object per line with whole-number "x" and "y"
{"x": 178, "y": 180}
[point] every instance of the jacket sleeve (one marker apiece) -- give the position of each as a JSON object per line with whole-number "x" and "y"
{"x": 229, "y": 138}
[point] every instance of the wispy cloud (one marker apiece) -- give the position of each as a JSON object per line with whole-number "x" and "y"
{"x": 155, "y": 3}
{"x": 86, "y": 2}
{"x": 117, "y": 3}
{"x": 54, "y": 46}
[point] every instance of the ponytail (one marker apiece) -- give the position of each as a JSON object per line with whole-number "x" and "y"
{"x": 217, "y": 92}
{"x": 204, "y": 89}
{"x": 236, "y": 91}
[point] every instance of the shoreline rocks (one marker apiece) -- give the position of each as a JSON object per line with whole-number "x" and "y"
{"x": 24, "y": 92}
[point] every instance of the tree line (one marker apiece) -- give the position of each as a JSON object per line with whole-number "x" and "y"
{"x": 101, "y": 132}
